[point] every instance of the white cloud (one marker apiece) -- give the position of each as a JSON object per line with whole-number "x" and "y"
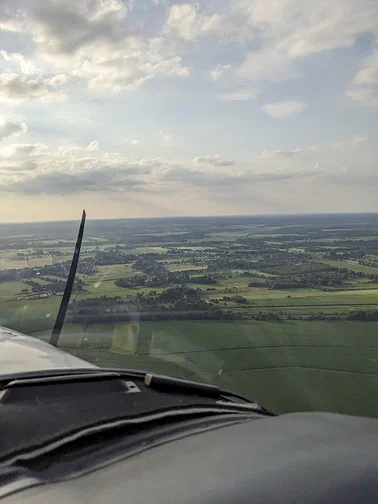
{"x": 365, "y": 83}
{"x": 17, "y": 59}
{"x": 286, "y": 31}
{"x": 353, "y": 142}
{"x": 186, "y": 22}
{"x": 287, "y": 153}
{"x": 57, "y": 80}
{"x": 213, "y": 161}
{"x": 33, "y": 169}
{"x": 68, "y": 150}
{"x": 135, "y": 142}
{"x": 9, "y": 128}
{"x": 218, "y": 71}
{"x": 16, "y": 87}
{"x": 364, "y": 94}
{"x": 241, "y": 95}
{"x": 298, "y": 28}
{"x": 284, "y": 109}
{"x": 369, "y": 71}
{"x": 279, "y": 153}
{"x": 10, "y": 22}
{"x": 314, "y": 148}
{"x": 91, "y": 41}
{"x": 127, "y": 67}
{"x": 23, "y": 150}
{"x": 165, "y": 136}
{"x": 93, "y": 146}
{"x": 268, "y": 64}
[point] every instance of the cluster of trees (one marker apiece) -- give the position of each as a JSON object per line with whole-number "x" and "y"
{"x": 344, "y": 254}
{"x": 363, "y": 316}
{"x": 181, "y": 299}
{"x": 112, "y": 256}
{"x": 235, "y": 299}
{"x": 181, "y": 294}
{"x": 131, "y": 282}
{"x": 54, "y": 286}
{"x": 203, "y": 279}
{"x": 155, "y": 274}
{"x": 228, "y": 263}
{"x": 149, "y": 266}
{"x": 14, "y": 275}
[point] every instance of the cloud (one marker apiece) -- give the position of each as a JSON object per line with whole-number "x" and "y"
{"x": 23, "y": 150}
{"x": 196, "y": 176}
{"x": 213, "y": 179}
{"x": 17, "y": 88}
{"x": 34, "y": 169}
{"x": 279, "y": 153}
{"x": 67, "y": 150}
{"x": 279, "y": 174}
{"x": 364, "y": 86}
{"x": 213, "y": 161}
{"x": 298, "y": 28}
{"x": 241, "y": 95}
{"x": 68, "y": 183}
{"x": 57, "y": 80}
{"x": 165, "y": 136}
{"x": 9, "y": 128}
{"x": 218, "y": 71}
{"x": 268, "y": 65}
{"x": 9, "y": 22}
{"x": 284, "y": 109}
{"x": 19, "y": 158}
{"x": 367, "y": 95}
{"x": 184, "y": 21}
{"x": 314, "y": 148}
{"x": 368, "y": 74}
{"x": 64, "y": 27}
{"x": 135, "y": 142}
{"x": 285, "y": 32}
{"x": 17, "y": 59}
{"x": 93, "y": 43}
{"x": 93, "y": 146}
{"x": 353, "y": 142}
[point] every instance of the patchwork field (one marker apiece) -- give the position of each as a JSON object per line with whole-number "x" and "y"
{"x": 281, "y": 309}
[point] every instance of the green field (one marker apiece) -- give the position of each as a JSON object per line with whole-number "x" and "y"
{"x": 185, "y": 267}
{"x": 8, "y": 263}
{"x": 12, "y": 289}
{"x": 147, "y": 250}
{"x": 349, "y": 265}
{"x": 287, "y": 341}
{"x": 285, "y": 366}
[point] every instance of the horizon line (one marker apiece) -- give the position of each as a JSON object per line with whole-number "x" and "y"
{"x": 193, "y": 217}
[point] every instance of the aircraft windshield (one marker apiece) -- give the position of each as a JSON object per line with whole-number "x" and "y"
{"x": 225, "y": 153}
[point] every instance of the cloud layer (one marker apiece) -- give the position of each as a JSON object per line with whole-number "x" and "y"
{"x": 219, "y": 104}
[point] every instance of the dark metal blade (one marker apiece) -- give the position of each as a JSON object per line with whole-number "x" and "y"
{"x": 54, "y": 338}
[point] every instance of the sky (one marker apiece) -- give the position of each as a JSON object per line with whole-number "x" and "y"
{"x": 147, "y": 108}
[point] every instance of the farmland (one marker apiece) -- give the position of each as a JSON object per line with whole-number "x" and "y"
{"x": 281, "y": 309}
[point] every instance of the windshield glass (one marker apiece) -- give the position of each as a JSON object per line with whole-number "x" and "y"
{"x": 225, "y": 153}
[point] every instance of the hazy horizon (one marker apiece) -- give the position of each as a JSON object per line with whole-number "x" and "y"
{"x": 178, "y": 217}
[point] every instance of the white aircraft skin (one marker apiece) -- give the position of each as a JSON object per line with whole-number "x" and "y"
{"x": 20, "y": 353}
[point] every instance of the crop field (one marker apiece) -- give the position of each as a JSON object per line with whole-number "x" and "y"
{"x": 281, "y": 309}
{"x": 349, "y": 265}
{"x": 266, "y": 359}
